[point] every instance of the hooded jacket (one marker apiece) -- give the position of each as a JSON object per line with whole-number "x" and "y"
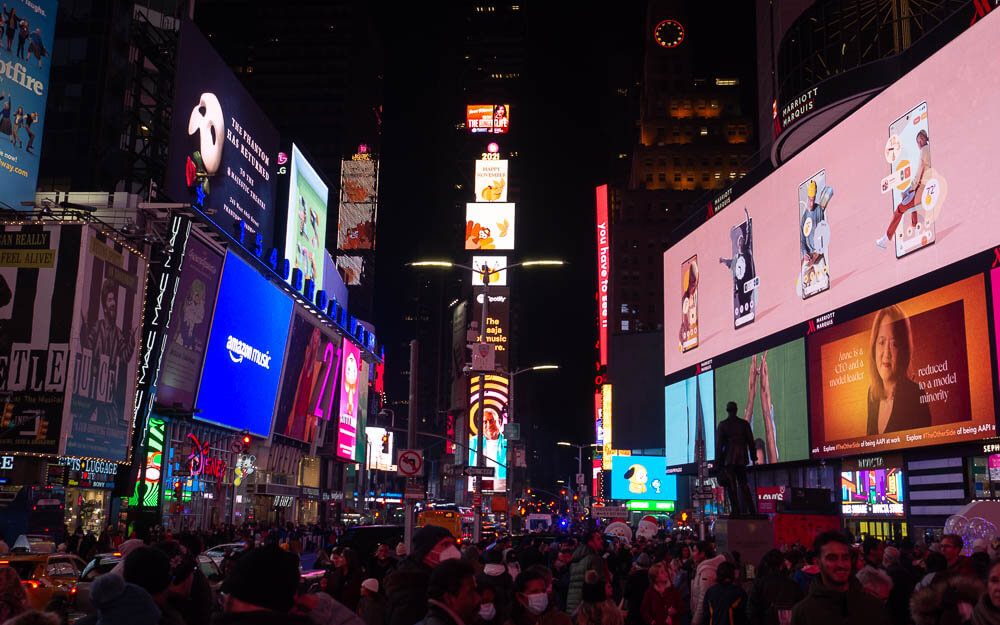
{"x": 704, "y": 578}
{"x": 584, "y": 559}
{"x": 406, "y": 589}
{"x": 825, "y": 606}
{"x": 939, "y": 602}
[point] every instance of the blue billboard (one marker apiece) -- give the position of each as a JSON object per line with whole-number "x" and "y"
{"x": 25, "y": 60}
{"x": 246, "y": 347}
{"x": 690, "y": 407}
{"x": 642, "y": 477}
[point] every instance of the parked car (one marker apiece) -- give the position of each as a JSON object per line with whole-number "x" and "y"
{"x": 45, "y": 575}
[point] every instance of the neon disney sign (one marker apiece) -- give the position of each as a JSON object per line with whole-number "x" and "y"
{"x": 201, "y": 464}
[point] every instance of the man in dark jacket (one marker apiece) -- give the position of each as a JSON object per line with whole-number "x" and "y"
{"x": 261, "y": 589}
{"x": 903, "y": 582}
{"x": 587, "y": 557}
{"x": 635, "y": 588}
{"x": 836, "y": 598}
{"x": 452, "y": 598}
{"x": 406, "y": 587}
{"x": 734, "y": 447}
{"x": 725, "y": 602}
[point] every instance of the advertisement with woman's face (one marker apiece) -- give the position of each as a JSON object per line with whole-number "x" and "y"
{"x": 906, "y": 375}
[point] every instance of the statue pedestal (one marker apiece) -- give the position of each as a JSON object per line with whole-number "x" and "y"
{"x": 752, "y": 536}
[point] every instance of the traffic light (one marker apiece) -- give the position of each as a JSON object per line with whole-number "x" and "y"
{"x": 563, "y": 492}
{"x": 576, "y": 497}
{"x": 385, "y": 443}
{"x": 529, "y": 491}
{"x": 245, "y": 441}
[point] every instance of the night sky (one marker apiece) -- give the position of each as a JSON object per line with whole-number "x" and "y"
{"x": 570, "y": 126}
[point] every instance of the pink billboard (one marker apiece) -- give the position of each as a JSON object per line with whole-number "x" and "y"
{"x": 896, "y": 190}
{"x": 347, "y": 432}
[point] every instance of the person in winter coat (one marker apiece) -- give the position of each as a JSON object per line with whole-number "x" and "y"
{"x": 950, "y": 601}
{"x": 371, "y": 607}
{"x": 596, "y": 606}
{"x": 120, "y": 603}
{"x": 804, "y": 576}
{"x": 343, "y": 580}
{"x": 725, "y": 602}
{"x": 662, "y": 603}
{"x": 261, "y": 589}
{"x": 903, "y": 582}
{"x": 704, "y": 578}
{"x": 587, "y": 557}
{"x": 533, "y": 603}
{"x": 406, "y": 587}
{"x": 496, "y": 574}
{"x": 987, "y": 610}
{"x": 452, "y": 598}
{"x": 13, "y": 598}
{"x": 835, "y": 597}
{"x": 489, "y": 611}
{"x": 773, "y": 593}
{"x": 636, "y": 585}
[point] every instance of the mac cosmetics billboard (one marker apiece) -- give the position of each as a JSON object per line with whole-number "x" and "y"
{"x": 223, "y": 149}
{"x": 239, "y": 381}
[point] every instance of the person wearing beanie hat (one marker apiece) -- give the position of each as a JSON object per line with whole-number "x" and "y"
{"x": 371, "y": 607}
{"x": 121, "y": 603}
{"x": 261, "y": 589}
{"x": 595, "y": 607}
{"x": 636, "y": 584}
{"x": 406, "y": 587}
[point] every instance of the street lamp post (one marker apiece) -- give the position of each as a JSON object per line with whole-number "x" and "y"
{"x": 485, "y": 272}
{"x": 510, "y": 419}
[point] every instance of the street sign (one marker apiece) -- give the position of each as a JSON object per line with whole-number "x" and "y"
{"x": 512, "y": 431}
{"x": 483, "y": 471}
{"x": 410, "y": 462}
{"x": 579, "y": 478}
{"x": 414, "y": 492}
{"x": 609, "y": 512}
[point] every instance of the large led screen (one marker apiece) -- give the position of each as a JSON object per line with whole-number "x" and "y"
{"x": 24, "y": 89}
{"x": 222, "y": 146}
{"x": 494, "y": 118}
{"x": 188, "y": 333}
{"x": 491, "y": 181}
{"x": 769, "y": 389}
{"x": 872, "y": 492}
{"x": 893, "y": 192}
{"x": 350, "y": 375}
{"x": 493, "y": 402}
{"x": 309, "y": 382}
{"x": 907, "y": 375}
{"x": 690, "y": 407}
{"x": 305, "y": 234}
{"x": 245, "y": 351}
{"x": 489, "y": 226}
{"x": 642, "y": 477}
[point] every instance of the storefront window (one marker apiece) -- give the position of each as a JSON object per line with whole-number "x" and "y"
{"x": 87, "y": 509}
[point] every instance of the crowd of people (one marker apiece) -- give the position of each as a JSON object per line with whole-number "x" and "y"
{"x": 590, "y": 579}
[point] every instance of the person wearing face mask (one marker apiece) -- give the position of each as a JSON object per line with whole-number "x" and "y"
{"x": 532, "y": 604}
{"x": 499, "y": 578}
{"x": 491, "y": 610}
{"x": 406, "y": 587}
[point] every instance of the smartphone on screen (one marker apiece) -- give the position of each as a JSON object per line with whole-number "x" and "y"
{"x": 915, "y": 191}
{"x": 814, "y": 235}
{"x": 689, "y": 304}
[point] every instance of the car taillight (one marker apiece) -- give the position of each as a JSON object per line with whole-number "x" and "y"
{"x": 30, "y": 583}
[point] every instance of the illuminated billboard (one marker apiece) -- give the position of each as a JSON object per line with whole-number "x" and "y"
{"x": 642, "y": 477}
{"x": 24, "y": 93}
{"x": 491, "y": 181}
{"x": 872, "y": 486}
{"x": 223, "y": 148}
{"x": 350, "y": 376}
{"x": 380, "y": 445}
{"x": 105, "y": 351}
{"x": 38, "y": 283}
{"x": 494, "y": 263}
{"x": 305, "y": 233}
{"x": 603, "y": 271}
{"x": 690, "y": 414}
{"x": 239, "y": 382}
{"x": 894, "y": 191}
{"x": 769, "y": 388}
{"x": 493, "y": 402}
{"x": 489, "y": 226}
{"x": 309, "y": 382}
{"x": 893, "y": 379}
{"x": 497, "y": 321}
{"x": 493, "y": 118}
{"x": 358, "y": 207}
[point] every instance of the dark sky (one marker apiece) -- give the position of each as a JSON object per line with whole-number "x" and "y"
{"x": 570, "y": 125}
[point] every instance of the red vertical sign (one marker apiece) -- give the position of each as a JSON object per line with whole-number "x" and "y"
{"x": 603, "y": 269}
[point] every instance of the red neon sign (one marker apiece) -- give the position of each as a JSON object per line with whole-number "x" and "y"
{"x": 603, "y": 268}
{"x": 200, "y": 464}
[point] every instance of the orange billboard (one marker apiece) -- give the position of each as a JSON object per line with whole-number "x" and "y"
{"x": 911, "y": 374}
{"x": 494, "y": 118}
